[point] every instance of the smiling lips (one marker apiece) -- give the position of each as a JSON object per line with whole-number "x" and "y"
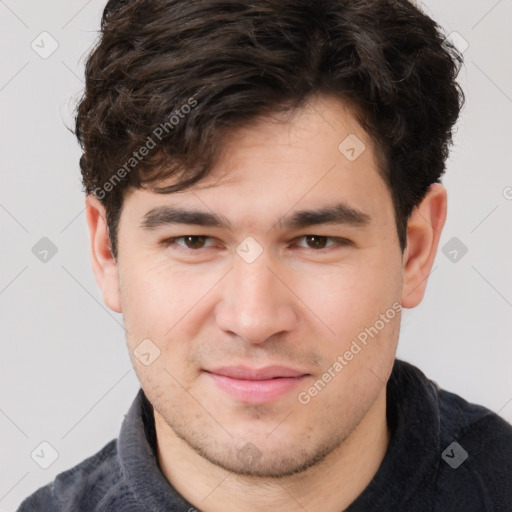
{"x": 257, "y": 386}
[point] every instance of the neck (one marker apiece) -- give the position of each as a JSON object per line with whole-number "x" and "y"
{"x": 329, "y": 486}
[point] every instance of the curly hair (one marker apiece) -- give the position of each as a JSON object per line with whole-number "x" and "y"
{"x": 167, "y": 79}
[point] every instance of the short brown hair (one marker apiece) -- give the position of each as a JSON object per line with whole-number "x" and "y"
{"x": 216, "y": 65}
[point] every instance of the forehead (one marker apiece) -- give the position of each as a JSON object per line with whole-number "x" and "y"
{"x": 319, "y": 155}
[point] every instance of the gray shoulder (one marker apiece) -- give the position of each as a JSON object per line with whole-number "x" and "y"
{"x": 80, "y": 488}
{"x": 476, "y": 446}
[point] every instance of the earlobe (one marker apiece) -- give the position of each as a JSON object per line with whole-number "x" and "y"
{"x": 423, "y": 234}
{"x": 103, "y": 262}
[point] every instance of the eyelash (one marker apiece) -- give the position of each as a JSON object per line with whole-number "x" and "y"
{"x": 340, "y": 242}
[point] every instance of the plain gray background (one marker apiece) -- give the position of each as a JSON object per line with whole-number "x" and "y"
{"x": 66, "y": 377}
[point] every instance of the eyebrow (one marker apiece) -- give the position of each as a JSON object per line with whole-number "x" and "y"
{"x": 340, "y": 213}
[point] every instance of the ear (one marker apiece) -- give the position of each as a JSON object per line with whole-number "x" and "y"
{"x": 103, "y": 262}
{"x": 423, "y": 233}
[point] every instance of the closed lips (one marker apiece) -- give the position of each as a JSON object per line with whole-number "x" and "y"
{"x": 269, "y": 372}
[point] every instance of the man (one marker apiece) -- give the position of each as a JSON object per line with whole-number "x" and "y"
{"x": 263, "y": 199}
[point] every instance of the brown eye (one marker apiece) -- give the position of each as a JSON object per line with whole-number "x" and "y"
{"x": 319, "y": 242}
{"x": 194, "y": 241}
{"x": 187, "y": 242}
{"x": 316, "y": 242}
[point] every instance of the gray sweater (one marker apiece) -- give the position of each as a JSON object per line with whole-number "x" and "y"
{"x": 445, "y": 454}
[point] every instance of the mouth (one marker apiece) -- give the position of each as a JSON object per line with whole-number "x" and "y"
{"x": 257, "y": 386}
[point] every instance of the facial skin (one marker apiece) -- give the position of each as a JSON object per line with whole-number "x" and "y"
{"x": 298, "y": 305}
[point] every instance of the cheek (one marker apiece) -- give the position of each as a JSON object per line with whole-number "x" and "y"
{"x": 151, "y": 298}
{"x": 351, "y": 303}
{"x": 163, "y": 301}
{"x": 347, "y": 297}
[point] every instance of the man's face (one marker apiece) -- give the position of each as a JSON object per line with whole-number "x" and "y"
{"x": 292, "y": 295}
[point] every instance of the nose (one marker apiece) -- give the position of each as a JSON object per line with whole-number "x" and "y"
{"x": 256, "y": 304}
